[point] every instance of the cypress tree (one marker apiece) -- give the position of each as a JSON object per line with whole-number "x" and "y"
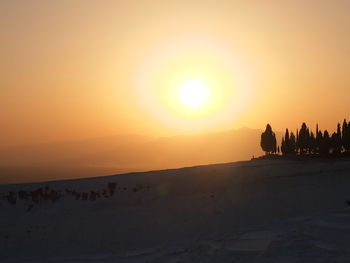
{"x": 312, "y": 143}
{"x": 338, "y": 140}
{"x": 319, "y": 141}
{"x": 283, "y": 147}
{"x": 333, "y": 143}
{"x": 308, "y": 141}
{"x": 346, "y": 136}
{"x": 292, "y": 143}
{"x": 297, "y": 141}
{"x": 268, "y": 140}
{"x": 286, "y": 142}
{"x": 303, "y": 138}
{"x": 325, "y": 145}
{"x": 347, "y": 143}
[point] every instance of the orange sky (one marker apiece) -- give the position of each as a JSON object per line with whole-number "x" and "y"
{"x": 79, "y": 69}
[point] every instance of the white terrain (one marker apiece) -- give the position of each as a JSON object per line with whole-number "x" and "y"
{"x": 254, "y": 211}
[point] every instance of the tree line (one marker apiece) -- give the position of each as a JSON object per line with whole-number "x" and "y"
{"x": 306, "y": 142}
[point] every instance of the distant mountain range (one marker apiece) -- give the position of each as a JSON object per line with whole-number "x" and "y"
{"x": 125, "y": 153}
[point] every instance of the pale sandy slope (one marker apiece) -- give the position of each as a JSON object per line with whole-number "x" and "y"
{"x": 256, "y": 211}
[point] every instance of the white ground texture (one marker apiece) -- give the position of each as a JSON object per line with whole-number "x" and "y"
{"x": 255, "y": 211}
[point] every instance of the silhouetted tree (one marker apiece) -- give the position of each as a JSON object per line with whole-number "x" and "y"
{"x": 288, "y": 146}
{"x": 333, "y": 143}
{"x": 337, "y": 141}
{"x": 285, "y": 143}
{"x": 283, "y": 146}
{"x": 307, "y": 142}
{"x": 292, "y": 143}
{"x": 346, "y": 136}
{"x": 304, "y": 139}
{"x": 297, "y": 141}
{"x": 325, "y": 143}
{"x": 268, "y": 140}
{"x": 312, "y": 143}
{"x": 319, "y": 140}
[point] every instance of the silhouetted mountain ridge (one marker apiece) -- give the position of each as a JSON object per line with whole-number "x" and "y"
{"x": 125, "y": 153}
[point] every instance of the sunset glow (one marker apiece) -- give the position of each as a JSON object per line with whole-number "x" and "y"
{"x": 194, "y": 93}
{"x": 194, "y": 84}
{"x": 82, "y": 70}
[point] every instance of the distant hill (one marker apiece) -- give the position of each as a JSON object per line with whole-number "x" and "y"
{"x": 125, "y": 153}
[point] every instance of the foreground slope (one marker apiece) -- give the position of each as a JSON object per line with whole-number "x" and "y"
{"x": 256, "y": 211}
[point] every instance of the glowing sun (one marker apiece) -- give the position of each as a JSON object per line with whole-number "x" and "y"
{"x": 194, "y": 93}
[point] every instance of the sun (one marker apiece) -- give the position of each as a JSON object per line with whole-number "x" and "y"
{"x": 194, "y": 93}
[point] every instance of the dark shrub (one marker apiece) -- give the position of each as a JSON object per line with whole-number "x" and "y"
{"x": 23, "y": 195}
{"x": 92, "y": 196}
{"x": 37, "y": 195}
{"x": 111, "y": 188}
{"x": 11, "y": 198}
{"x": 85, "y": 196}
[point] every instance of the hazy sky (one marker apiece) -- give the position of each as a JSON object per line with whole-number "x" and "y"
{"x": 78, "y": 69}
